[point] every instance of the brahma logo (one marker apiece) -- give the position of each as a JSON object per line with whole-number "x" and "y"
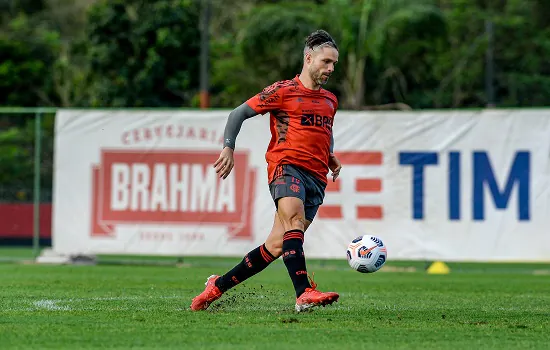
{"x": 171, "y": 187}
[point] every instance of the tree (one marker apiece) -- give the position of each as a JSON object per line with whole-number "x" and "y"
{"x": 144, "y": 54}
{"x": 17, "y": 158}
{"x": 257, "y": 46}
{"x": 451, "y": 72}
{"x": 363, "y": 28}
{"x": 270, "y": 43}
{"x": 522, "y": 45}
{"x": 27, "y": 51}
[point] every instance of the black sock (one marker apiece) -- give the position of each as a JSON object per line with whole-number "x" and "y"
{"x": 295, "y": 261}
{"x": 252, "y": 263}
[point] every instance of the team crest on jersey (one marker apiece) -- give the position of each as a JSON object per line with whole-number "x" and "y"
{"x": 295, "y": 188}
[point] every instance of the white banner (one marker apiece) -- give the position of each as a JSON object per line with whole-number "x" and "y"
{"x": 455, "y": 186}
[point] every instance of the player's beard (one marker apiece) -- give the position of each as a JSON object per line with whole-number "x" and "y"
{"x": 318, "y": 77}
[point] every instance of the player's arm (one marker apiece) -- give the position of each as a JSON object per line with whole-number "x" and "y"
{"x": 234, "y": 123}
{"x": 268, "y": 100}
{"x": 225, "y": 162}
{"x": 333, "y": 163}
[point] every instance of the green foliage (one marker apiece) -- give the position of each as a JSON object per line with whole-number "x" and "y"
{"x": 17, "y": 145}
{"x": 12, "y": 8}
{"x": 524, "y": 71}
{"x": 286, "y": 26}
{"x": 116, "y": 53}
{"x": 15, "y": 157}
{"x": 143, "y": 53}
{"x": 263, "y": 44}
{"x": 369, "y": 30}
{"x": 450, "y": 71}
{"x": 27, "y": 52}
{"x": 425, "y": 53}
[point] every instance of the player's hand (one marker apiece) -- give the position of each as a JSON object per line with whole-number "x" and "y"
{"x": 225, "y": 163}
{"x": 335, "y": 166}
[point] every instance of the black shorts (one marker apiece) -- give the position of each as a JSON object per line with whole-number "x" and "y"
{"x": 291, "y": 181}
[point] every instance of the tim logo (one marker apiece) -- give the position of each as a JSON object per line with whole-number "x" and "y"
{"x": 355, "y": 193}
{"x": 317, "y": 120}
{"x": 170, "y": 188}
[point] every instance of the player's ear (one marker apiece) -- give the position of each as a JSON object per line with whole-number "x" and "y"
{"x": 308, "y": 58}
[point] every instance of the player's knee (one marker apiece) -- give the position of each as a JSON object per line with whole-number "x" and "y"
{"x": 291, "y": 213}
{"x": 275, "y": 248}
{"x": 295, "y": 221}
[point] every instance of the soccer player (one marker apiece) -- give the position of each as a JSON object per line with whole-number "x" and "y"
{"x": 299, "y": 155}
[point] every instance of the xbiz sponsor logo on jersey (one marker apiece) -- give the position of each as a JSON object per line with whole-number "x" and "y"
{"x": 316, "y": 120}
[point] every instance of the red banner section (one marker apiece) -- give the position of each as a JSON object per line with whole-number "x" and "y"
{"x": 171, "y": 188}
{"x": 16, "y": 220}
{"x": 374, "y": 185}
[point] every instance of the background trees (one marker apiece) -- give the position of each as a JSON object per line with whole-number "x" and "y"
{"x": 135, "y": 53}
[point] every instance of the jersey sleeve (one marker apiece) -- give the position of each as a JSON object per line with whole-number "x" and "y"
{"x": 335, "y": 105}
{"x": 269, "y": 99}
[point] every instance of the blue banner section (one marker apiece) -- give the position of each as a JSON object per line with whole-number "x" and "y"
{"x": 516, "y": 176}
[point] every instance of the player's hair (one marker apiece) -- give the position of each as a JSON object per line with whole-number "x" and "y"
{"x": 317, "y": 39}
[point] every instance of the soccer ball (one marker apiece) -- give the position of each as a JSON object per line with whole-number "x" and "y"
{"x": 367, "y": 254}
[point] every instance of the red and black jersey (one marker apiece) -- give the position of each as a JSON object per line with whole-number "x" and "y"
{"x": 301, "y": 122}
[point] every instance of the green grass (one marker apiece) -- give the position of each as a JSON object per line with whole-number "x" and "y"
{"x": 15, "y": 253}
{"x": 482, "y": 306}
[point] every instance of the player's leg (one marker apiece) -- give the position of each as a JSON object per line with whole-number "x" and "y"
{"x": 274, "y": 242}
{"x": 293, "y": 217}
{"x": 289, "y": 194}
{"x": 253, "y": 262}
{"x": 296, "y": 215}
{"x": 292, "y": 214}
{"x": 256, "y": 260}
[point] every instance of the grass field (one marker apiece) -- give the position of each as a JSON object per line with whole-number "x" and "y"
{"x": 108, "y": 306}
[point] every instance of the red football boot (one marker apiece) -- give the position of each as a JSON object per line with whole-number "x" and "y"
{"x": 210, "y": 294}
{"x": 312, "y": 297}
